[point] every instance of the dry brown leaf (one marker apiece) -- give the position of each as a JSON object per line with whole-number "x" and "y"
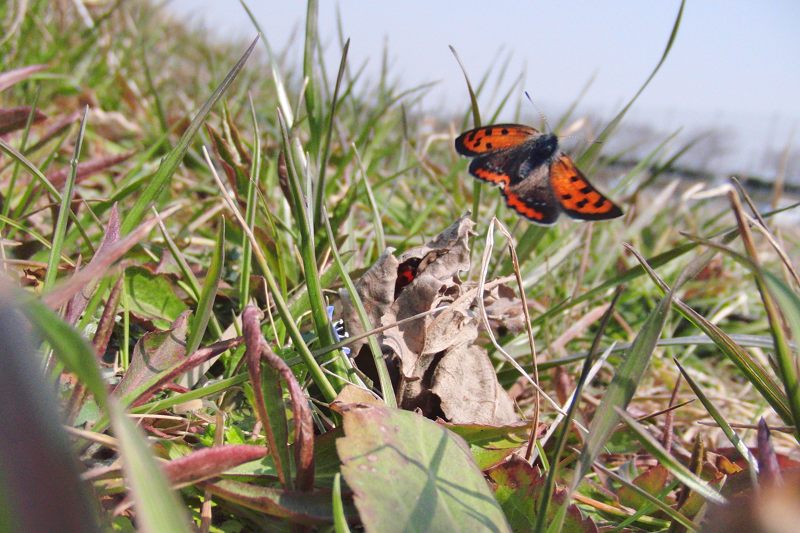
{"x": 504, "y": 310}
{"x": 440, "y": 369}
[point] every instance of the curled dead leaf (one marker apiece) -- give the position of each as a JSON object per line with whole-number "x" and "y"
{"x": 436, "y": 363}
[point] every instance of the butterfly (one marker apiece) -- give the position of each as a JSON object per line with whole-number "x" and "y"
{"x": 537, "y": 179}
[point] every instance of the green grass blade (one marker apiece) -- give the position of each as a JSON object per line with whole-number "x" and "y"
{"x": 317, "y": 374}
{"x": 35, "y": 234}
{"x": 653, "y": 502}
{"x": 319, "y": 313}
{"x": 723, "y": 424}
{"x": 669, "y": 462}
{"x": 339, "y": 520}
{"x": 786, "y": 361}
{"x": 69, "y": 347}
{"x": 387, "y": 391}
{"x": 60, "y": 228}
{"x": 156, "y": 185}
{"x": 194, "y": 394}
{"x": 755, "y": 373}
{"x": 250, "y": 213}
{"x": 319, "y": 192}
{"x": 593, "y": 151}
{"x": 789, "y": 305}
{"x": 561, "y": 441}
{"x": 311, "y": 94}
{"x": 205, "y": 305}
{"x": 157, "y": 507}
{"x": 622, "y": 387}
{"x": 40, "y": 476}
{"x": 380, "y": 238}
{"x": 476, "y": 123}
{"x": 22, "y": 146}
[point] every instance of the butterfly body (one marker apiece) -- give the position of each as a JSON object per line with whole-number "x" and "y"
{"x": 537, "y": 179}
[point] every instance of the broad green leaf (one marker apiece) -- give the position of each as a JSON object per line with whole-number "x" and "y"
{"x": 519, "y": 488}
{"x": 152, "y": 296}
{"x": 491, "y": 444}
{"x": 408, "y": 473}
{"x": 155, "y": 352}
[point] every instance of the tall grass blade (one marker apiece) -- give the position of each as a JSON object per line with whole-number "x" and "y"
{"x": 786, "y": 361}
{"x": 303, "y": 217}
{"x": 622, "y": 387}
{"x": 69, "y": 347}
{"x": 755, "y": 373}
{"x": 561, "y": 441}
{"x": 60, "y": 228}
{"x": 476, "y": 123}
{"x": 156, "y": 185}
{"x": 669, "y": 462}
{"x": 208, "y": 294}
{"x": 250, "y": 213}
{"x": 157, "y": 507}
{"x": 317, "y": 374}
{"x": 659, "y": 501}
{"x": 387, "y": 391}
{"x": 40, "y": 481}
{"x": 592, "y": 152}
{"x": 723, "y": 424}
{"x": 339, "y": 519}
{"x": 319, "y": 192}
{"x": 311, "y": 94}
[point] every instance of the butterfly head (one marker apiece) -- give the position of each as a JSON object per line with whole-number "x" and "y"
{"x": 546, "y": 143}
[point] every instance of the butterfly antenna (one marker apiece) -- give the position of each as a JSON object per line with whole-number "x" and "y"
{"x": 541, "y": 115}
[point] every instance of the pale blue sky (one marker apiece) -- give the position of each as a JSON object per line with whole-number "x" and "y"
{"x": 734, "y": 65}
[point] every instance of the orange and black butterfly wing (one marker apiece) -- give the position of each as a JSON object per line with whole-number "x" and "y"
{"x": 578, "y": 198}
{"x": 491, "y": 138}
{"x": 523, "y": 177}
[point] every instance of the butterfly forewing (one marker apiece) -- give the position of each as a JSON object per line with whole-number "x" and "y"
{"x": 538, "y": 181}
{"x": 492, "y": 138}
{"x": 578, "y": 198}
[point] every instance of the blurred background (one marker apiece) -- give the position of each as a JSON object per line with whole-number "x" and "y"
{"x": 731, "y": 80}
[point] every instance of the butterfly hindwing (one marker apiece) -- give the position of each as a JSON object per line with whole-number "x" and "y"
{"x": 532, "y": 196}
{"x": 523, "y": 180}
{"x": 491, "y": 138}
{"x": 578, "y": 198}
